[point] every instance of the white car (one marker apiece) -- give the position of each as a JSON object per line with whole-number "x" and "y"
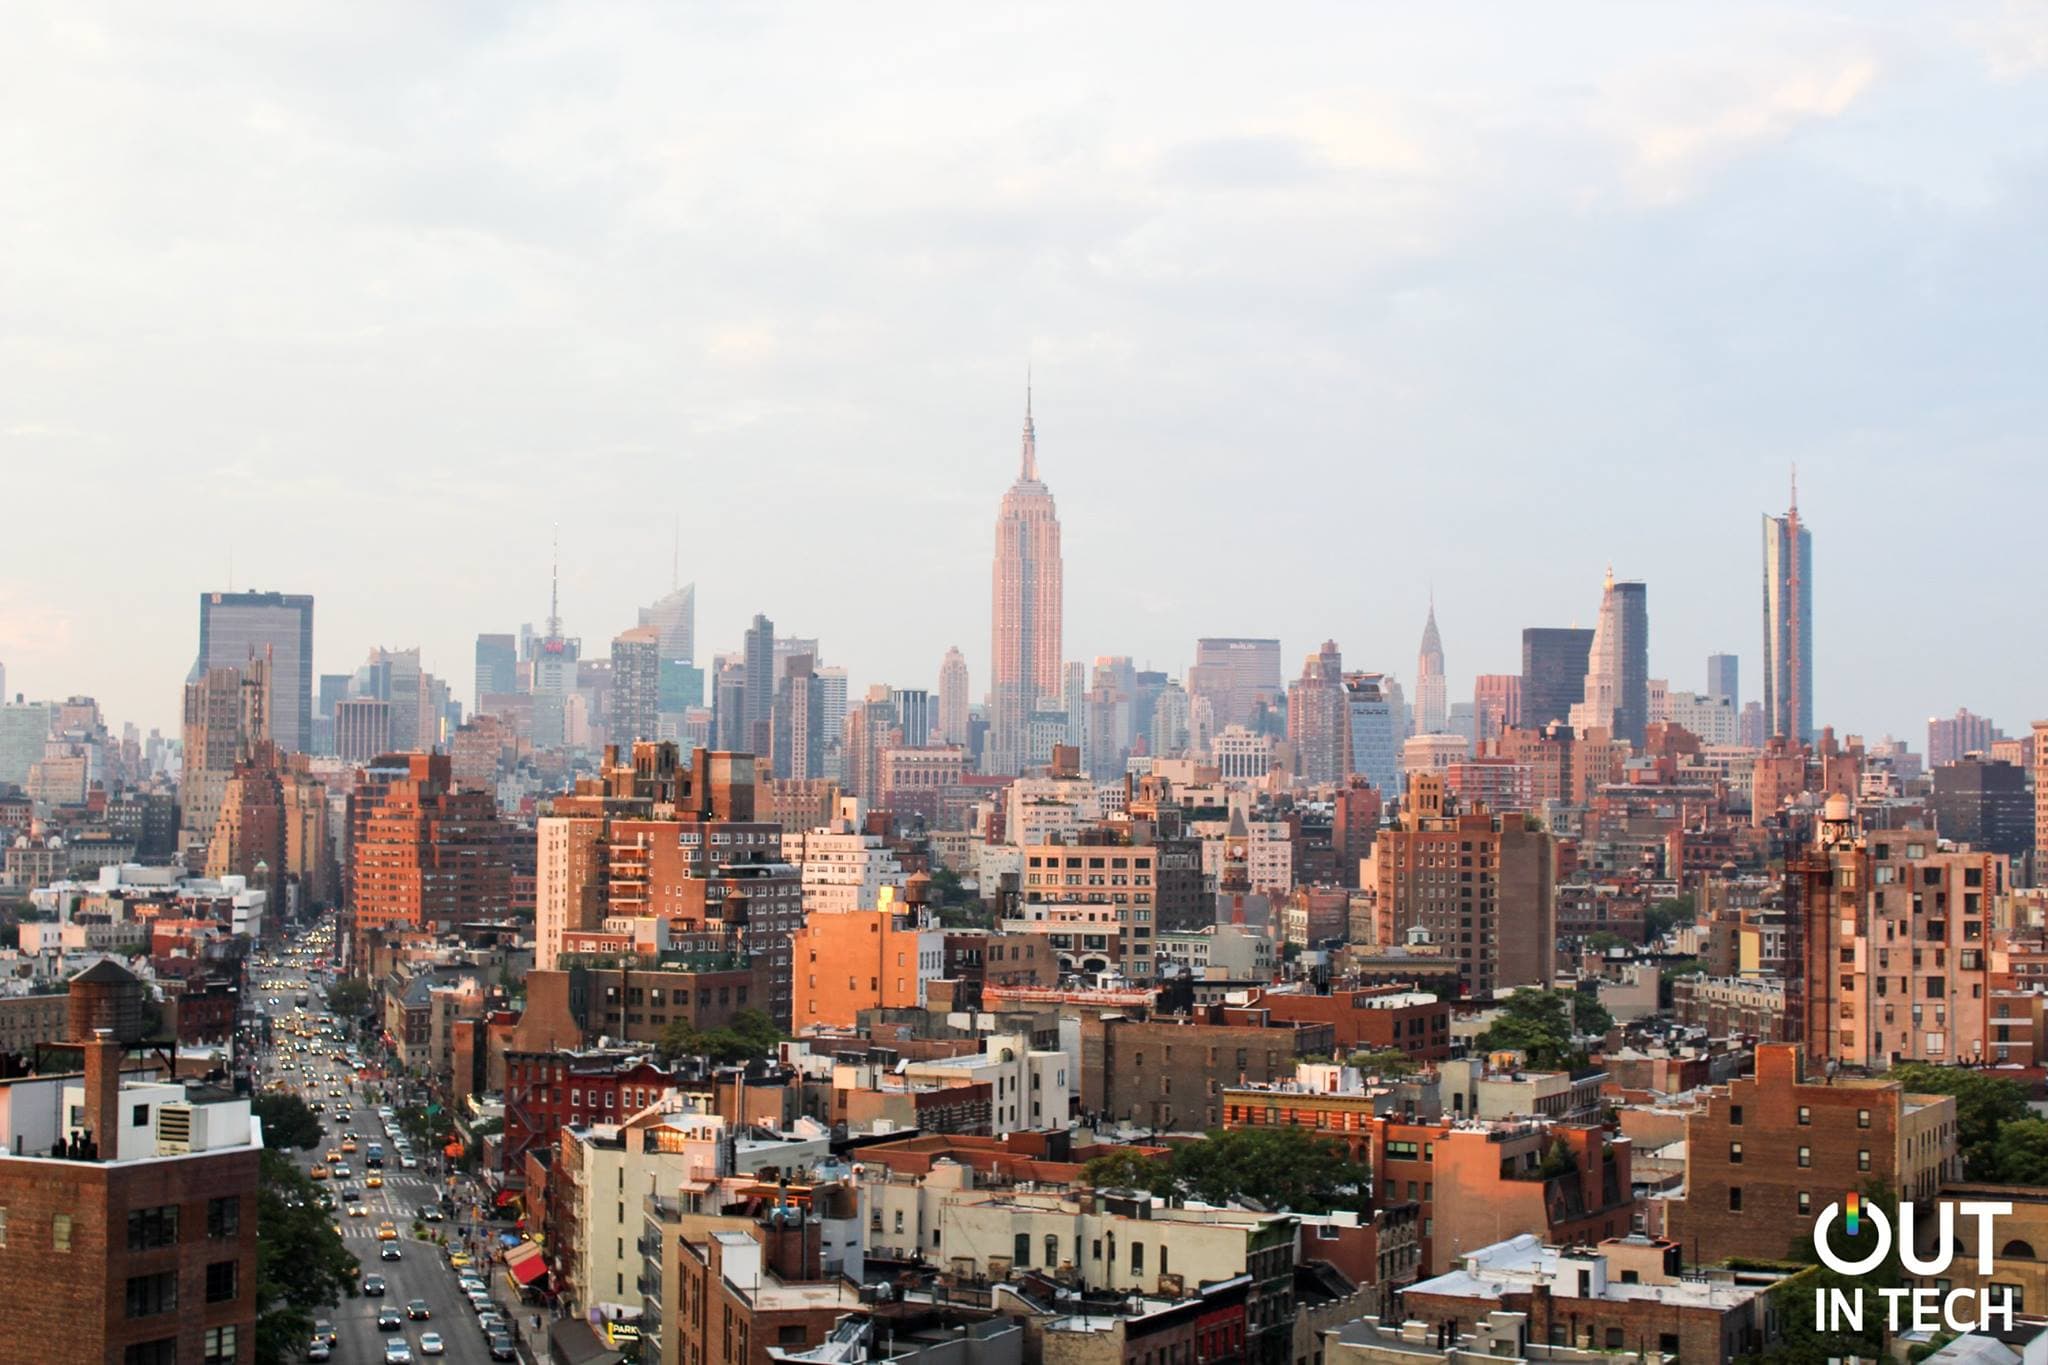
{"x": 431, "y": 1344}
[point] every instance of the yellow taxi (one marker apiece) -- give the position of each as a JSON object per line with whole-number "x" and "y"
{"x": 458, "y": 1259}
{"x": 375, "y": 1182}
{"x": 333, "y": 1155}
{"x": 318, "y": 1173}
{"x": 387, "y": 1231}
{"x": 349, "y": 1147}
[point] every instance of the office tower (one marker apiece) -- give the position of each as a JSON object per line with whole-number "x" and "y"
{"x": 674, "y": 619}
{"x": 1723, "y": 680}
{"x": 1496, "y": 704}
{"x": 1788, "y": 624}
{"x": 1237, "y": 677}
{"x": 395, "y": 676}
{"x": 1170, "y": 736}
{"x": 552, "y": 659}
{"x": 1025, "y": 615}
{"x": 953, "y": 704}
{"x": 362, "y": 729}
{"x": 913, "y": 715}
{"x": 787, "y": 647}
{"x": 1073, "y": 704}
{"x": 1752, "y": 725}
{"x": 24, "y": 730}
{"x": 758, "y": 650}
{"x": 1430, "y": 699}
{"x": 1616, "y": 695}
{"x": 634, "y": 711}
{"x": 235, "y": 627}
{"x": 227, "y": 713}
{"x": 832, "y": 690}
{"x": 798, "y": 721}
{"x": 497, "y": 669}
{"x": 1501, "y": 926}
{"x": 1316, "y": 716}
{"x": 1963, "y": 733}
{"x": 422, "y": 853}
{"x": 729, "y": 703}
{"x": 1553, "y": 673}
{"x": 1373, "y": 726}
{"x": 681, "y": 686}
{"x": 1985, "y": 805}
{"x": 870, "y": 728}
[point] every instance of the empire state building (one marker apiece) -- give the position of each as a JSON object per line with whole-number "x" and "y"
{"x": 1025, "y": 618}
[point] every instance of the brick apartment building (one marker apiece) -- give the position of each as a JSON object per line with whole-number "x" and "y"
{"x": 423, "y": 854}
{"x": 1169, "y": 1073}
{"x": 140, "y": 1246}
{"x": 1765, "y": 1154}
{"x": 1393, "y": 1018}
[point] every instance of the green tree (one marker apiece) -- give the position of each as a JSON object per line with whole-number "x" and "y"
{"x": 348, "y": 998}
{"x": 1387, "y": 1063}
{"x": 1606, "y": 941}
{"x": 287, "y": 1121}
{"x": 1984, "y": 1104}
{"x": 1589, "y": 1016}
{"x": 1801, "y": 1341}
{"x": 751, "y": 1034}
{"x": 1281, "y": 1168}
{"x": 1539, "y": 1025}
{"x": 1666, "y": 915}
{"x": 2021, "y": 1152}
{"x": 1127, "y": 1168}
{"x": 301, "y": 1264}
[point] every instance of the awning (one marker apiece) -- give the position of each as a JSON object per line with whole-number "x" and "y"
{"x": 525, "y": 1264}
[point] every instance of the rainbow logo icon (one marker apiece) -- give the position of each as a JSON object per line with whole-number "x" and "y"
{"x": 1853, "y": 1207}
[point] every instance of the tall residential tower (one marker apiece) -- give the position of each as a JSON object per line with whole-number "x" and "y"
{"x": 1788, "y": 624}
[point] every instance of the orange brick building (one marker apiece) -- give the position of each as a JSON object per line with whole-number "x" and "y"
{"x": 423, "y": 854}
{"x": 863, "y": 959}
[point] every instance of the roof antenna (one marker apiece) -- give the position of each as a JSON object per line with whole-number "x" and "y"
{"x": 555, "y": 588}
{"x": 1795, "y": 488}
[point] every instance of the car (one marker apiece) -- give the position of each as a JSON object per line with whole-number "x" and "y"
{"x": 333, "y": 1156}
{"x": 387, "y": 1231}
{"x": 408, "y": 1161}
{"x": 342, "y": 1172}
{"x": 373, "y": 1286}
{"x": 479, "y": 1301}
{"x": 458, "y": 1259}
{"x": 389, "y": 1252}
{"x": 502, "y": 1347}
{"x": 375, "y": 1182}
{"x": 351, "y": 1194}
{"x": 359, "y": 1210}
{"x": 491, "y": 1320}
{"x": 430, "y": 1213}
{"x": 318, "y": 1173}
{"x": 396, "y": 1352}
{"x": 431, "y": 1344}
{"x": 318, "y": 1349}
{"x": 323, "y": 1330}
{"x": 471, "y": 1284}
{"x": 390, "y": 1320}
{"x": 418, "y": 1310}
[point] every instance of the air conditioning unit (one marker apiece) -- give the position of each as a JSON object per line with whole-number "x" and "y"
{"x": 173, "y": 1129}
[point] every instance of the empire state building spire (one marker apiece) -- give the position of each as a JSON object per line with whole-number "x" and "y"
{"x": 1030, "y": 470}
{"x": 1025, "y": 665}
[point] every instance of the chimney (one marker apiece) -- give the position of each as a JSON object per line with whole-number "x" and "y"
{"x": 103, "y": 1055}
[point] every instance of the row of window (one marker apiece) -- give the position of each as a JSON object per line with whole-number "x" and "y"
{"x": 217, "y": 1346}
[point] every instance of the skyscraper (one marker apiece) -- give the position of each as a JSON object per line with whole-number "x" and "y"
{"x": 1316, "y": 711}
{"x": 953, "y": 705}
{"x": 1496, "y": 704}
{"x": 1616, "y": 697}
{"x": 235, "y": 627}
{"x": 497, "y": 668}
{"x": 635, "y": 712}
{"x": 1373, "y": 723}
{"x": 1788, "y": 624}
{"x": 799, "y": 731}
{"x": 1238, "y": 677}
{"x": 674, "y": 617}
{"x": 759, "y": 652}
{"x": 1553, "y": 672}
{"x": 1025, "y": 661}
{"x": 1724, "y": 680}
{"x": 1430, "y": 700}
{"x": 227, "y": 714}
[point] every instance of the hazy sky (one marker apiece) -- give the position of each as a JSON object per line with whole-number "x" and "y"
{"x": 1326, "y": 303}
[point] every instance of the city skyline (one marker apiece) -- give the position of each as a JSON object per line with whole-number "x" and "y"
{"x": 1396, "y": 287}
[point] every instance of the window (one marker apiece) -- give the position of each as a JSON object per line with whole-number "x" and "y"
{"x": 60, "y": 1232}
{"x": 161, "y": 1352}
{"x": 1805, "y": 1201}
{"x": 1734, "y": 1116}
{"x": 221, "y": 1283}
{"x": 790, "y": 1335}
{"x": 154, "y": 1227}
{"x": 1862, "y": 1118}
{"x": 217, "y": 1347}
{"x": 1137, "y": 1258}
{"x": 141, "y": 1116}
{"x": 1805, "y": 1156}
{"x": 149, "y": 1295}
{"x": 1021, "y": 1250}
{"x": 1863, "y": 1159}
{"x": 1734, "y": 1154}
{"x": 3, "y": 1227}
{"x": 1735, "y": 1199}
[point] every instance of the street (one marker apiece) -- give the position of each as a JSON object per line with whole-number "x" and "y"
{"x": 308, "y": 1067}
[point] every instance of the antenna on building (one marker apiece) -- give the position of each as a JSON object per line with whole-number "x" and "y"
{"x": 555, "y": 588}
{"x": 1030, "y": 431}
{"x": 1795, "y": 488}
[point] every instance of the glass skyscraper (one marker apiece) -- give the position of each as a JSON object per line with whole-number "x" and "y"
{"x": 235, "y": 627}
{"x": 1788, "y": 626}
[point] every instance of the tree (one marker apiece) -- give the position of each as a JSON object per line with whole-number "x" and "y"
{"x": 1801, "y": 1341}
{"x": 1280, "y": 1168}
{"x": 301, "y": 1265}
{"x": 1606, "y": 941}
{"x": 1666, "y": 915}
{"x": 751, "y": 1034}
{"x": 348, "y": 998}
{"x": 1984, "y": 1104}
{"x": 1539, "y": 1025}
{"x": 1589, "y": 1016}
{"x": 287, "y": 1121}
{"x": 1387, "y": 1063}
{"x": 2021, "y": 1152}
{"x": 1127, "y": 1168}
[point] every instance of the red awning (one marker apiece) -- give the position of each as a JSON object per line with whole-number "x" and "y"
{"x": 507, "y": 1197}
{"x": 525, "y": 1263}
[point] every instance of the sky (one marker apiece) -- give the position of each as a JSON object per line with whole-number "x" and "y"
{"x": 1327, "y": 306}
